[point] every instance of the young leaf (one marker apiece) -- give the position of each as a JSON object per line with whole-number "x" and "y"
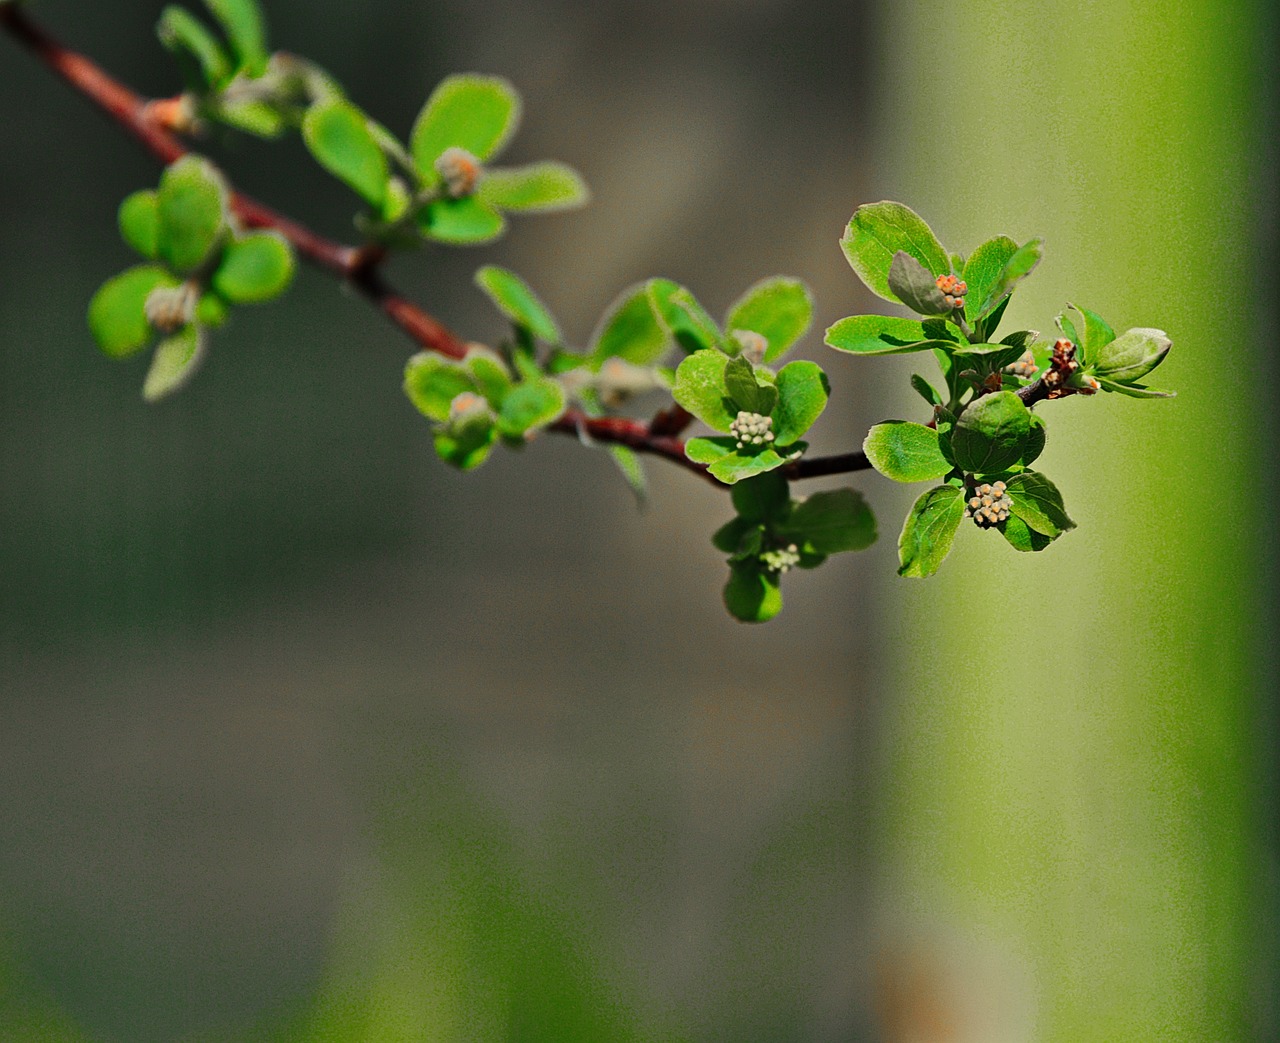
{"x": 700, "y": 388}
{"x": 1037, "y": 502}
{"x": 117, "y": 318}
{"x": 253, "y": 117}
{"x": 475, "y": 113}
{"x": 242, "y": 22}
{"x": 929, "y": 531}
{"x": 466, "y": 444}
{"x": 1017, "y": 268}
{"x": 205, "y": 64}
{"x": 338, "y": 135}
{"x": 211, "y": 310}
{"x": 489, "y": 374}
{"x": 684, "y": 319}
{"x": 881, "y": 335}
{"x": 926, "y": 390}
{"x": 463, "y": 222}
{"x": 779, "y": 309}
{"x": 762, "y": 498}
{"x": 1021, "y": 536}
{"x": 529, "y": 405}
{"x": 729, "y": 537}
{"x": 752, "y": 594}
{"x": 982, "y": 270}
{"x": 905, "y": 452}
{"x": 803, "y": 391}
{"x": 255, "y": 268}
{"x": 536, "y": 187}
{"x": 175, "y": 362}
{"x": 709, "y": 450}
{"x": 990, "y": 434}
{"x": 629, "y": 330}
{"x": 632, "y": 470}
{"x": 432, "y": 382}
{"x": 1133, "y": 390}
{"x": 745, "y": 391}
{"x": 1095, "y": 336}
{"x": 1131, "y": 356}
{"x": 915, "y": 287}
{"x": 191, "y": 205}
{"x": 877, "y": 231}
{"x": 512, "y": 296}
{"x": 736, "y": 466}
{"x": 139, "y": 218}
{"x": 831, "y": 522}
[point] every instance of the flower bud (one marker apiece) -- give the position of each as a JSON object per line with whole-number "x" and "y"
{"x": 953, "y": 290}
{"x": 460, "y": 171}
{"x": 169, "y": 308}
{"x": 781, "y": 559}
{"x": 1025, "y": 367}
{"x": 988, "y": 505}
{"x": 751, "y": 429}
{"x": 751, "y": 344}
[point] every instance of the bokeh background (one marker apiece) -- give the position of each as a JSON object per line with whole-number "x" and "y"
{"x": 305, "y": 737}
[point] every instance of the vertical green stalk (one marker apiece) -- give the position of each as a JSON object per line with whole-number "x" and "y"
{"x": 1071, "y": 766}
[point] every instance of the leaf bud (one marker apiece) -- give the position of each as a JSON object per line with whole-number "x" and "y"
{"x": 466, "y": 407}
{"x": 460, "y": 171}
{"x": 751, "y": 344}
{"x": 169, "y": 308}
{"x": 988, "y": 505}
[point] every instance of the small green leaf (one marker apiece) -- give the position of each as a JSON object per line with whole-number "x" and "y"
{"x": 700, "y": 389}
{"x": 628, "y": 461}
{"x": 684, "y": 319}
{"x": 1034, "y": 445}
{"x": 175, "y": 362}
{"x": 1021, "y": 536}
{"x": 709, "y": 450}
{"x": 915, "y": 287}
{"x": 260, "y": 118}
{"x": 803, "y": 391}
{"x": 982, "y": 271}
{"x": 536, "y": 187}
{"x": 629, "y": 330}
{"x": 476, "y": 113}
{"x": 338, "y": 135}
{"x": 729, "y": 537}
{"x": 877, "y": 231}
{"x": 489, "y": 374}
{"x": 926, "y": 390}
{"x": 752, "y": 594}
{"x": 512, "y": 296}
{"x": 739, "y": 465}
{"x": 242, "y": 22}
{"x": 881, "y": 335}
{"x": 779, "y": 309}
{"x": 1017, "y": 268}
{"x": 990, "y": 434}
{"x": 930, "y": 530}
{"x": 529, "y": 405}
{"x": 762, "y": 498}
{"x": 831, "y": 522}
{"x": 139, "y": 218}
{"x": 205, "y": 63}
{"x": 191, "y": 205}
{"x": 432, "y": 382}
{"x": 905, "y": 452}
{"x": 462, "y": 222}
{"x": 746, "y": 391}
{"x": 211, "y": 310}
{"x": 255, "y": 268}
{"x": 1037, "y": 502}
{"x": 466, "y": 444}
{"x": 1133, "y": 390}
{"x": 117, "y": 317}
{"x": 1131, "y": 356}
{"x": 1095, "y": 336}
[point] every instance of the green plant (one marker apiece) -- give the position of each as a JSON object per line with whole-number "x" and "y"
{"x": 208, "y": 249}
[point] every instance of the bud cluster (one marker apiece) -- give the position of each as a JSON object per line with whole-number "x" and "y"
{"x": 169, "y": 308}
{"x": 953, "y": 290}
{"x": 989, "y": 505}
{"x": 751, "y": 429}
{"x": 781, "y": 559}
{"x": 1025, "y": 367}
{"x": 460, "y": 171}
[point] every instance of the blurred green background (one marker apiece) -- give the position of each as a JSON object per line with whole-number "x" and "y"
{"x": 304, "y": 737}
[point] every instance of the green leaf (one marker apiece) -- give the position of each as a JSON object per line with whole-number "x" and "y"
{"x": 1037, "y": 502}
{"x": 877, "y": 231}
{"x": 982, "y": 271}
{"x": 1131, "y": 356}
{"x": 685, "y": 320}
{"x": 536, "y": 187}
{"x": 803, "y": 391}
{"x": 462, "y": 222}
{"x": 338, "y": 135}
{"x": 905, "y": 452}
{"x": 628, "y": 461}
{"x": 1133, "y": 390}
{"x": 512, "y": 296}
{"x": 779, "y": 309}
{"x": 139, "y": 218}
{"x": 746, "y": 391}
{"x": 529, "y": 405}
{"x": 1068, "y": 329}
{"x": 255, "y": 268}
{"x": 881, "y": 335}
{"x": 752, "y": 594}
{"x": 476, "y": 113}
{"x": 738, "y": 465}
{"x": 915, "y": 287}
{"x": 211, "y": 310}
{"x": 831, "y": 522}
{"x": 175, "y": 362}
{"x": 205, "y": 63}
{"x": 984, "y": 328}
{"x": 990, "y": 434}
{"x": 489, "y": 374}
{"x": 1097, "y": 335}
{"x": 1017, "y": 268}
{"x": 700, "y": 389}
{"x": 709, "y": 450}
{"x": 191, "y": 205}
{"x": 926, "y": 390}
{"x": 432, "y": 382}
{"x": 929, "y": 531}
{"x": 1021, "y": 536}
{"x": 762, "y": 498}
{"x": 729, "y": 537}
{"x": 242, "y": 22}
{"x": 253, "y": 117}
{"x": 117, "y": 316}
{"x": 1034, "y": 445}
{"x": 466, "y": 444}
{"x": 629, "y": 330}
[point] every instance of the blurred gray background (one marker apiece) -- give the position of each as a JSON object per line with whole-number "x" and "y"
{"x": 238, "y": 629}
